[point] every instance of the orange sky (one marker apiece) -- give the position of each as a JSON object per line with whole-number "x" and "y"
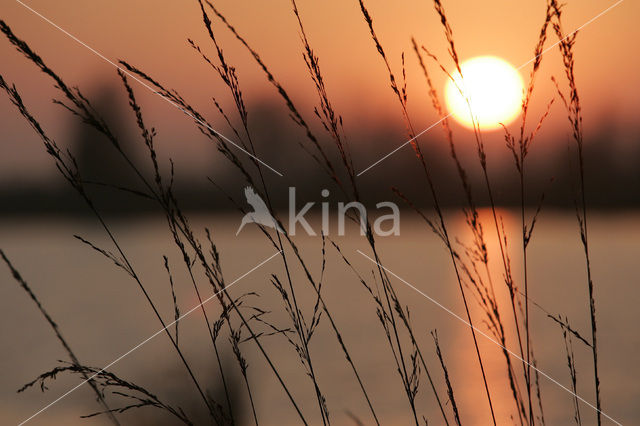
{"x": 152, "y": 34}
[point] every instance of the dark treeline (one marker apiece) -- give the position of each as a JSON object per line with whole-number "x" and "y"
{"x": 613, "y": 178}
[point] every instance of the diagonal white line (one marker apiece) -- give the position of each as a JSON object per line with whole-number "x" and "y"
{"x": 404, "y": 144}
{"x": 519, "y": 68}
{"x": 578, "y": 29}
{"x": 133, "y": 76}
{"x": 488, "y": 337}
{"x": 149, "y": 338}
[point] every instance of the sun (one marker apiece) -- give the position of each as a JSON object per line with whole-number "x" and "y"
{"x": 494, "y": 89}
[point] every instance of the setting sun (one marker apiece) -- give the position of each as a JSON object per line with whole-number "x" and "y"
{"x": 494, "y": 89}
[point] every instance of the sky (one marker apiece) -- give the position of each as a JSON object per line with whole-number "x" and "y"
{"x": 153, "y": 36}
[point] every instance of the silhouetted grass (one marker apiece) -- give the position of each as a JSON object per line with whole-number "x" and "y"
{"x": 574, "y": 110}
{"x": 243, "y": 318}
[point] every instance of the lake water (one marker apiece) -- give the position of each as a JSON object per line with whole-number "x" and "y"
{"x": 102, "y": 313}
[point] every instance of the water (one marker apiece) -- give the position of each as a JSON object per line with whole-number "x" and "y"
{"x": 103, "y": 314}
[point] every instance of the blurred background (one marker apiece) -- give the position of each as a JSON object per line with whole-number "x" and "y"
{"x": 153, "y": 37}
{"x": 100, "y": 310}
